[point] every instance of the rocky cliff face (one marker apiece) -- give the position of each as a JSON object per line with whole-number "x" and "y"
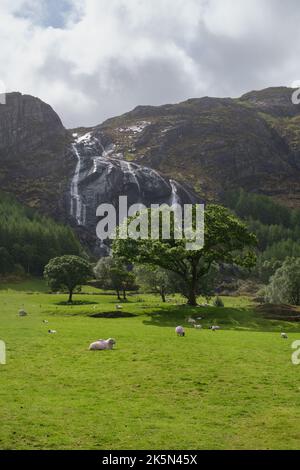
{"x": 185, "y": 152}
{"x": 101, "y": 176}
{"x": 35, "y": 163}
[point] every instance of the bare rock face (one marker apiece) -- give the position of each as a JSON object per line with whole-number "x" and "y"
{"x": 101, "y": 176}
{"x": 34, "y": 162}
{"x": 27, "y": 123}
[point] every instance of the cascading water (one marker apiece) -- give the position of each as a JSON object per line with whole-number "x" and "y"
{"x": 128, "y": 168}
{"x": 174, "y": 196}
{"x": 101, "y": 175}
{"x": 78, "y": 209}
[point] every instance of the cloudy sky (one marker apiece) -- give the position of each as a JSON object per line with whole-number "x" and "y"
{"x": 93, "y": 59}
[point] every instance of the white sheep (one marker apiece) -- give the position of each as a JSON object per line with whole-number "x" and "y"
{"x": 198, "y": 327}
{"x": 191, "y": 320}
{"x": 179, "y": 330}
{"x": 119, "y": 307}
{"x": 215, "y": 328}
{"x": 102, "y": 344}
{"x": 52, "y": 332}
{"x": 284, "y": 336}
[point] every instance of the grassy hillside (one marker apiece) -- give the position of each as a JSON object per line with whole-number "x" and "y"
{"x": 235, "y": 388}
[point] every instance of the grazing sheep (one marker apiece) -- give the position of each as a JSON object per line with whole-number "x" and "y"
{"x": 119, "y": 307}
{"x": 22, "y": 313}
{"x": 191, "y": 320}
{"x": 102, "y": 344}
{"x": 284, "y": 335}
{"x": 215, "y": 328}
{"x": 179, "y": 330}
{"x": 52, "y": 332}
{"x": 198, "y": 327}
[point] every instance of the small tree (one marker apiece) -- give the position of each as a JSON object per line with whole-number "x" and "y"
{"x": 67, "y": 272}
{"x": 155, "y": 279}
{"x": 113, "y": 274}
{"x": 284, "y": 286}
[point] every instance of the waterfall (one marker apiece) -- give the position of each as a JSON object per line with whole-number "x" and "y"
{"x": 78, "y": 209}
{"x": 174, "y": 196}
{"x": 128, "y": 168}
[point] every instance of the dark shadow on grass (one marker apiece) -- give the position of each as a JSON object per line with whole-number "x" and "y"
{"x": 75, "y": 303}
{"x": 112, "y": 315}
{"x": 240, "y": 319}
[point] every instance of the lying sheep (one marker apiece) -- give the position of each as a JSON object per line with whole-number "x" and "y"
{"x": 102, "y": 344}
{"x": 179, "y": 330}
{"x": 119, "y": 307}
{"x": 284, "y": 335}
{"x": 52, "y": 332}
{"x": 198, "y": 327}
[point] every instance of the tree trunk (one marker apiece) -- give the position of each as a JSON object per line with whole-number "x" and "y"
{"x": 192, "y": 296}
{"x": 124, "y": 295}
{"x": 70, "y": 296}
{"x": 118, "y": 294}
{"x": 163, "y": 296}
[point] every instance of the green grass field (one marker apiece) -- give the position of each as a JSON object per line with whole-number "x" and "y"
{"x": 231, "y": 389}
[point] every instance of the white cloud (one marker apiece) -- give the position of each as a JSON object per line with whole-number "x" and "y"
{"x": 92, "y": 59}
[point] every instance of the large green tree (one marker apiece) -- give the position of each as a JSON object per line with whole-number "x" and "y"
{"x": 227, "y": 240}
{"x": 67, "y": 272}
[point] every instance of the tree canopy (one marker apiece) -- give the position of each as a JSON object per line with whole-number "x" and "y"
{"x": 30, "y": 240}
{"x": 284, "y": 286}
{"x": 67, "y": 272}
{"x": 115, "y": 275}
{"x": 227, "y": 240}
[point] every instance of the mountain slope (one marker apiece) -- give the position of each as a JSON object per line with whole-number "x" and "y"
{"x": 207, "y": 145}
{"x": 215, "y": 144}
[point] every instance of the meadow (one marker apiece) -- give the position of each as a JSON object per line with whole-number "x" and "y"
{"x": 231, "y": 389}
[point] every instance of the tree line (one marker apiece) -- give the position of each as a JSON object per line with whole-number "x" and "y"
{"x": 276, "y": 227}
{"x": 29, "y": 240}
